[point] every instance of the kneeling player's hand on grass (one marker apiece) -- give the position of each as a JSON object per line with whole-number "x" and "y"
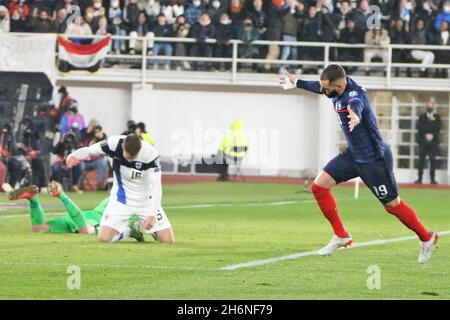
{"x": 287, "y": 81}
{"x": 149, "y": 222}
{"x": 354, "y": 119}
{"x": 72, "y": 161}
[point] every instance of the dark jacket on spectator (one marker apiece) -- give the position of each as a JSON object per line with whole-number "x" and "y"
{"x": 201, "y": 33}
{"x": 42, "y": 26}
{"x": 19, "y": 25}
{"x": 274, "y": 22}
{"x": 224, "y": 32}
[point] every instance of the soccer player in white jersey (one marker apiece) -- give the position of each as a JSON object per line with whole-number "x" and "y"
{"x": 136, "y": 188}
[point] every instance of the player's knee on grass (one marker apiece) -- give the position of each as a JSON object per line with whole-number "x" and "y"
{"x": 106, "y": 234}
{"x": 165, "y": 236}
{"x": 40, "y": 228}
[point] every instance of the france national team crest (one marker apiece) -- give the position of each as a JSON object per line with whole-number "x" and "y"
{"x": 138, "y": 165}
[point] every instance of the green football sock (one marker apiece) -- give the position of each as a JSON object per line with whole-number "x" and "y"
{"x": 36, "y": 212}
{"x": 75, "y": 213}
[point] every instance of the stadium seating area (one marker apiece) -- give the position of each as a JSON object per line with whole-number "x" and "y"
{"x": 423, "y": 22}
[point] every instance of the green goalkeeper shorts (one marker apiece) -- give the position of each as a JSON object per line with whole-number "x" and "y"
{"x": 66, "y": 225}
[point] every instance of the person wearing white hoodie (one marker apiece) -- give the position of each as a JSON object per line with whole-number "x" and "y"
{"x": 4, "y": 19}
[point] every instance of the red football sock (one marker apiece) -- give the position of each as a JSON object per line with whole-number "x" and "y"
{"x": 409, "y": 218}
{"x": 327, "y": 204}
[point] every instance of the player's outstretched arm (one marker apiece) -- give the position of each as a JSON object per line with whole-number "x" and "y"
{"x": 289, "y": 81}
{"x": 84, "y": 153}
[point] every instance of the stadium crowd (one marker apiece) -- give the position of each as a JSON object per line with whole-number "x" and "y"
{"x": 36, "y": 152}
{"x": 402, "y": 22}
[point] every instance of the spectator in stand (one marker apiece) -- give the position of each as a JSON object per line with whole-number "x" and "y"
{"x": 92, "y": 134}
{"x": 427, "y": 7}
{"x": 162, "y": 29}
{"x": 361, "y": 15}
{"x": 345, "y": 13}
{"x": 48, "y": 5}
{"x": 172, "y": 10}
{"x": 181, "y": 30}
{"x": 376, "y": 37}
{"x": 64, "y": 102}
{"x": 237, "y": 12}
{"x": 406, "y": 11}
{"x": 89, "y": 18}
{"x": 114, "y": 10}
{"x": 193, "y": 12}
{"x": 289, "y": 32}
{"x": 21, "y": 7}
{"x": 61, "y": 21}
{"x": 41, "y": 23}
{"x": 327, "y": 27}
{"x": 259, "y": 17}
{"x": 118, "y": 28}
{"x": 399, "y": 35}
{"x": 103, "y": 28}
{"x": 350, "y": 35}
{"x": 131, "y": 128}
{"x": 72, "y": 119}
{"x": 224, "y": 32}
{"x": 418, "y": 37}
{"x": 152, "y": 8}
{"x": 142, "y": 133}
{"x": 273, "y": 33}
{"x": 202, "y": 31}
{"x": 79, "y": 28}
{"x": 4, "y": 19}
{"x": 131, "y": 14}
{"x": 215, "y": 10}
{"x": 18, "y": 23}
{"x": 70, "y": 178}
{"x": 247, "y": 34}
{"x": 443, "y": 56}
{"x": 312, "y": 32}
{"x": 141, "y": 30}
{"x": 443, "y": 15}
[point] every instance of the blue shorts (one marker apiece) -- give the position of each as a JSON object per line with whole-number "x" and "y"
{"x": 377, "y": 175}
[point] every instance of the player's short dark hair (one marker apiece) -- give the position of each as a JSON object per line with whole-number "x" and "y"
{"x": 332, "y": 73}
{"x": 132, "y": 144}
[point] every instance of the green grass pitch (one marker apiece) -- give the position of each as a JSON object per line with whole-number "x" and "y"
{"x": 240, "y": 222}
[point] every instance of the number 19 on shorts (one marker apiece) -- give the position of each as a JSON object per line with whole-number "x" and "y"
{"x": 380, "y": 191}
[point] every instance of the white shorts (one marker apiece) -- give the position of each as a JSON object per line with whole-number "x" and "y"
{"x": 117, "y": 216}
{"x": 162, "y": 222}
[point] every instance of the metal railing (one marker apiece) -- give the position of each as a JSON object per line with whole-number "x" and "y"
{"x": 146, "y": 60}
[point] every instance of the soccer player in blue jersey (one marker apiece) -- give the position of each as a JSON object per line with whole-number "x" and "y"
{"x": 367, "y": 157}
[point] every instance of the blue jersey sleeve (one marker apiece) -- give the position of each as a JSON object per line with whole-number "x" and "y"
{"x": 313, "y": 86}
{"x": 356, "y": 105}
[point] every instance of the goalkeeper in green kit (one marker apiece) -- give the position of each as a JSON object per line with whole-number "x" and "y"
{"x": 77, "y": 220}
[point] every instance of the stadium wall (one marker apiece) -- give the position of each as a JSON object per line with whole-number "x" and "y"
{"x": 289, "y": 131}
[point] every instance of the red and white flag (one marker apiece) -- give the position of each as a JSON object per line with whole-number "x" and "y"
{"x": 73, "y": 56}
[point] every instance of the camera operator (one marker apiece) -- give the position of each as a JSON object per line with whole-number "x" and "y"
{"x": 70, "y": 178}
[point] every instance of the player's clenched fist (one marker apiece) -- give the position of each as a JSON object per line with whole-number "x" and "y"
{"x": 149, "y": 222}
{"x": 72, "y": 161}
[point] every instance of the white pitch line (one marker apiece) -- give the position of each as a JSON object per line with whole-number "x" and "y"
{"x": 225, "y": 268}
{"x": 257, "y": 263}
